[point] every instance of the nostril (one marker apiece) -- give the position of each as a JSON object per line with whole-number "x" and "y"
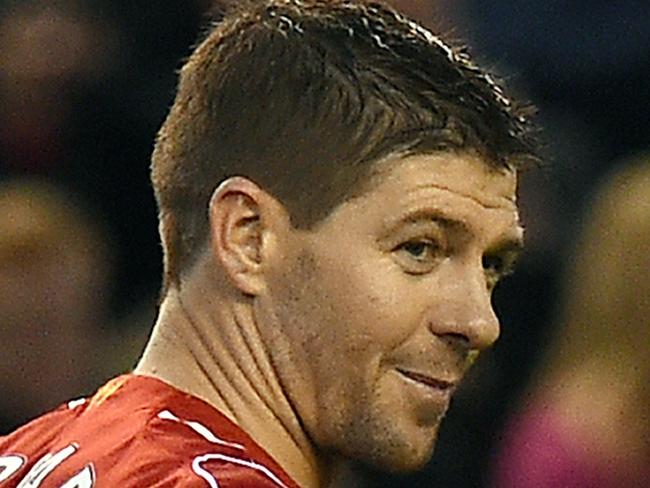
{"x": 457, "y": 336}
{"x": 459, "y": 342}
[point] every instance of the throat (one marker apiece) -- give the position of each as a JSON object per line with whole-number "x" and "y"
{"x": 220, "y": 357}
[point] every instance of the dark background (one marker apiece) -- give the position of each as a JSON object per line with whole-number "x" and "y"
{"x": 84, "y": 86}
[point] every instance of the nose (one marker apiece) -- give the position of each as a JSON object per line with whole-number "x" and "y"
{"x": 465, "y": 312}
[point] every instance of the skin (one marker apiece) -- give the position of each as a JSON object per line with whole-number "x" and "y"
{"x": 323, "y": 344}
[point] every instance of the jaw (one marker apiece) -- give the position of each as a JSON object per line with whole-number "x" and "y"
{"x": 376, "y": 428}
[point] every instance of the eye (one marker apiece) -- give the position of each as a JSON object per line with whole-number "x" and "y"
{"x": 418, "y": 256}
{"x": 493, "y": 264}
{"x": 497, "y": 267}
{"x": 419, "y": 250}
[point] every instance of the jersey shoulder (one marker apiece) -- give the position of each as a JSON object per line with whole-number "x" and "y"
{"x": 135, "y": 432}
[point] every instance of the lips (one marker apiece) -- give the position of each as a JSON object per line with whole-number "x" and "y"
{"x": 436, "y": 383}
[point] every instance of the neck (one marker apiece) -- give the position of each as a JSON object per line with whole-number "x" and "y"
{"x": 212, "y": 349}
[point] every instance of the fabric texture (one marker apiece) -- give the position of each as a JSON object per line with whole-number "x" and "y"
{"x": 136, "y": 431}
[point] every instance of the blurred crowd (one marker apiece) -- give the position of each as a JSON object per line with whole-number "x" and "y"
{"x": 85, "y": 84}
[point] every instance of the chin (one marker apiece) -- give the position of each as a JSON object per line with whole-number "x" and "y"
{"x": 384, "y": 436}
{"x": 407, "y": 462}
{"x": 399, "y": 453}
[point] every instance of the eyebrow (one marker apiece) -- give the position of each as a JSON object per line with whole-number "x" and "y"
{"x": 428, "y": 215}
{"x": 514, "y": 245}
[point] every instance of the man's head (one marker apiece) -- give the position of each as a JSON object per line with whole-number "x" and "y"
{"x": 301, "y": 97}
{"x": 355, "y": 180}
{"x": 378, "y": 310}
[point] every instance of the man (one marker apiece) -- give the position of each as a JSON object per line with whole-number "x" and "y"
{"x": 336, "y": 190}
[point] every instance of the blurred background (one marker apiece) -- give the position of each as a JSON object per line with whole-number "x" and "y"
{"x": 84, "y": 86}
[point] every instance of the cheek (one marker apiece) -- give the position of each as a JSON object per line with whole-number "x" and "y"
{"x": 376, "y": 304}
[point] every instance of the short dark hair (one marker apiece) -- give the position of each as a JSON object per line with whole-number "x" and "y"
{"x": 299, "y": 95}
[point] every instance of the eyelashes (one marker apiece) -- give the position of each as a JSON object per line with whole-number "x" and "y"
{"x": 421, "y": 255}
{"x": 420, "y": 250}
{"x": 497, "y": 267}
{"x": 418, "y": 256}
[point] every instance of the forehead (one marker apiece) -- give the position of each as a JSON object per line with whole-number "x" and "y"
{"x": 461, "y": 174}
{"x": 452, "y": 188}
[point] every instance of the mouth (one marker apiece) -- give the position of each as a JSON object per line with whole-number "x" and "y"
{"x": 435, "y": 383}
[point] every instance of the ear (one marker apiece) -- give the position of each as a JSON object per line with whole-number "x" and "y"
{"x": 239, "y": 217}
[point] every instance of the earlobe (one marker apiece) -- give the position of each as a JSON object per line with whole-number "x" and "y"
{"x": 237, "y": 232}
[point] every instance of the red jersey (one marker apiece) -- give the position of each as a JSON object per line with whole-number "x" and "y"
{"x": 136, "y": 431}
